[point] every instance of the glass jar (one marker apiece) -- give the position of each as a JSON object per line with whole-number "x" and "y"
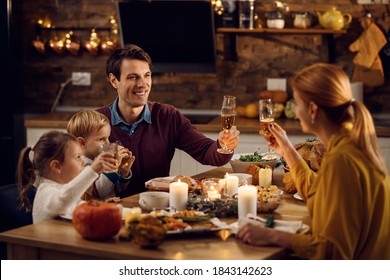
{"x": 302, "y": 20}
{"x": 275, "y": 19}
{"x": 246, "y": 13}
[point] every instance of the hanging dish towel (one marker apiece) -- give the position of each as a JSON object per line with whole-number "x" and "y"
{"x": 368, "y": 66}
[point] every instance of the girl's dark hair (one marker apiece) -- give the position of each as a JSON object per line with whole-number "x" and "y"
{"x": 114, "y": 61}
{"x": 51, "y": 146}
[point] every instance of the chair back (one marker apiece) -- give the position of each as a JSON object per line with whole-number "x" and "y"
{"x": 10, "y": 215}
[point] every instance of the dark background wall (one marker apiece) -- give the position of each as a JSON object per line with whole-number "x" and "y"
{"x": 259, "y": 57}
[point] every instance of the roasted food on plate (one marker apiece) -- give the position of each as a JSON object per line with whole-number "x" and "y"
{"x": 162, "y": 184}
{"x": 312, "y": 151}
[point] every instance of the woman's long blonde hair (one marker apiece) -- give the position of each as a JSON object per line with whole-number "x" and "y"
{"x": 329, "y": 87}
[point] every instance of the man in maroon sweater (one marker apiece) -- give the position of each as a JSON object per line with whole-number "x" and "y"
{"x": 152, "y": 130}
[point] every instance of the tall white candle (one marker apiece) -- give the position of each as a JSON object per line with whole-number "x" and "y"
{"x": 178, "y": 195}
{"x": 231, "y": 185}
{"x": 265, "y": 177}
{"x": 247, "y": 200}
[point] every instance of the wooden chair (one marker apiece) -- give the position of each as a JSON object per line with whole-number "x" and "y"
{"x": 10, "y": 215}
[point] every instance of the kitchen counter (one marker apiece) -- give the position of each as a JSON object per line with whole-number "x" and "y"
{"x": 59, "y": 120}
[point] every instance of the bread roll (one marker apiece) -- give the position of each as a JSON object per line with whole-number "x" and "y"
{"x": 253, "y": 169}
{"x": 184, "y": 179}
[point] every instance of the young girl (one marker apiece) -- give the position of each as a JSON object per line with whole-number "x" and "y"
{"x": 57, "y": 171}
{"x": 92, "y": 130}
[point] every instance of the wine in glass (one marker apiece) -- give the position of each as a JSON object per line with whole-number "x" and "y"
{"x": 228, "y": 116}
{"x": 266, "y": 116}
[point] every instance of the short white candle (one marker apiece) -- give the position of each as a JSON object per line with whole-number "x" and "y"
{"x": 213, "y": 194}
{"x": 232, "y": 183}
{"x": 178, "y": 195}
{"x": 265, "y": 177}
{"x": 247, "y": 200}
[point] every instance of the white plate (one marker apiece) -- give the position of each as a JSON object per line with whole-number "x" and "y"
{"x": 68, "y": 216}
{"x": 149, "y": 184}
{"x": 297, "y": 196}
{"x": 198, "y": 230}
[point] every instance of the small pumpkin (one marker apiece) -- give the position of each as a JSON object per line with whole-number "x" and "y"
{"x": 97, "y": 220}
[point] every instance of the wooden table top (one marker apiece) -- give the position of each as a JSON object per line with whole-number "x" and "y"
{"x": 58, "y": 239}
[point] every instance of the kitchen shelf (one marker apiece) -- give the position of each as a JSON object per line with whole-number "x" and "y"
{"x": 231, "y": 33}
{"x": 62, "y": 28}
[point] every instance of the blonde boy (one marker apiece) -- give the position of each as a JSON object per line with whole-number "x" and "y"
{"x": 92, "y": 130}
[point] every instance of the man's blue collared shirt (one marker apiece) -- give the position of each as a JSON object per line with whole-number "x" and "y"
{"x": 116, "y": 119}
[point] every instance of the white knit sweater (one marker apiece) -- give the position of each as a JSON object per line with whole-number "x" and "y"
{"x": 53, "y": 199}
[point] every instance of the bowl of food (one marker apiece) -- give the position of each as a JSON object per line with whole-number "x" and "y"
{"x": 240, "y": 163}
{"x": 268, "y": 199}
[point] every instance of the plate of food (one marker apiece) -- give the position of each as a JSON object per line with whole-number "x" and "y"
{"x": 188, "y": 222}
{"x": 241, "y": 162}
{"x": 162, "y": 183}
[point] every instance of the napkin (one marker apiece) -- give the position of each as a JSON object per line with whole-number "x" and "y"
{"x": 288, "y": 226}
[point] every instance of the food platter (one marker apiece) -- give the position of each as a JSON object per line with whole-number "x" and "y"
{"x": 162, "y": 183}
{"x": 197, "y": 224}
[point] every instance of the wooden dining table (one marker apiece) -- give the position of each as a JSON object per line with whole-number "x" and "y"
{"x": 57, "y": 238}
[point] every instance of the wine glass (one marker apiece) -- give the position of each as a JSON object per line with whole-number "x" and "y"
{"x": 266, "y": 116}
{"x": 228, "y": 116}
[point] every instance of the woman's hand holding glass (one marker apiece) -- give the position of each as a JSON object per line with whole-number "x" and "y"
{"x": 282, "y": 144}
{"x": 266, "y": 117}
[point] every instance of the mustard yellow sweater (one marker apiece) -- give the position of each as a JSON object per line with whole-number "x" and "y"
{"x": 349, "y": 204}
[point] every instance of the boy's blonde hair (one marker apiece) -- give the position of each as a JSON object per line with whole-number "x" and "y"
{"x": 83, "y": 123}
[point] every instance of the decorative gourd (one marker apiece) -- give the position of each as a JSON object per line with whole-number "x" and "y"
{"x": 277, "y": 96}
{"x": 289, "y": 109}
{"x": 146, "y": 231}
{"x": 97, "y": 220}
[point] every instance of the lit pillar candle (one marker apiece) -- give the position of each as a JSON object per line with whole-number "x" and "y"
{"x": 247, "y": 200}
{"x": 265, "y": 177}
{"x": 178, "y": 195}
{"x": 231, "y": 185}
{"x": 213, "y": 194}
{"x": 222, "y": 186}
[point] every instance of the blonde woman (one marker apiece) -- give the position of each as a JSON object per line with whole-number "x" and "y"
{"x": 349, "y": 199}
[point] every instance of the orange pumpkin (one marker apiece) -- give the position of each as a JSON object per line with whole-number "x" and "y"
{"x": 97, "y": 220}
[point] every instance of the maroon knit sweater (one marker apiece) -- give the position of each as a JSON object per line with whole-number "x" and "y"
{"x": 153, "y": 145}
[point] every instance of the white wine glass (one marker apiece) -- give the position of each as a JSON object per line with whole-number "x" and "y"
{"x": 266, "y": 116}
{"x": 228, "y": 116}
